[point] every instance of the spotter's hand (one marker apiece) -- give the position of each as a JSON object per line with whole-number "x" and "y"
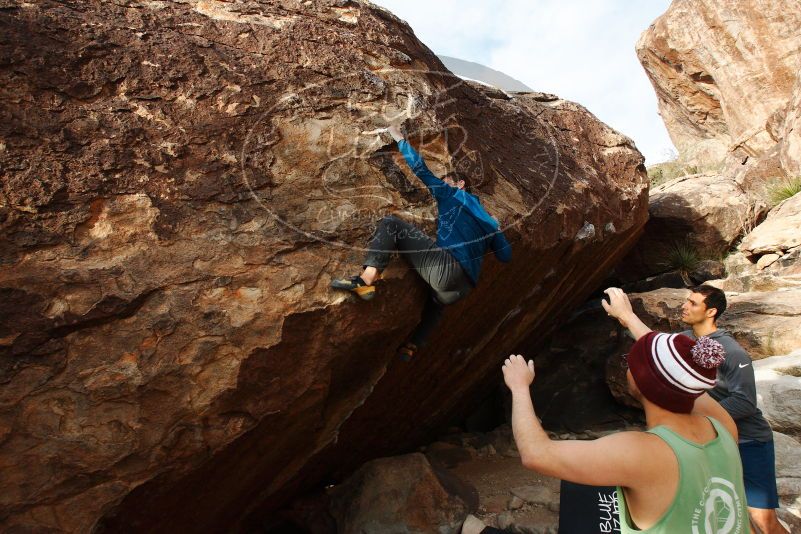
{"x": 618, "y": 306}
{"x": 517, "y": 373}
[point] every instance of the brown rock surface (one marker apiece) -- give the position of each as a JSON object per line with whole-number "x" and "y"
{"x": 707, "y": 212}
{"x": 778, "y": 234}
{"x": 398, "y": 494}
{"x": 765, "y": 323}
{"x": 725, "y": 74}
{"x": 181, "y": 181}
{"x": 779, "y": 392}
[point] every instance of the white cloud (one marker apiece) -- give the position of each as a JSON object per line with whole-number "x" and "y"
{"x": 582, "y": 51}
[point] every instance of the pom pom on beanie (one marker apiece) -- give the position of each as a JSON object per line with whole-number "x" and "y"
{"x": 708, "y": 353}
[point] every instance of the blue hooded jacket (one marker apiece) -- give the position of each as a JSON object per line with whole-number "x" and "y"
{"x": 464, "y": 228}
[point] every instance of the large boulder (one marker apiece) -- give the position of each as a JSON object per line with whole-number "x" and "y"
{"x": 779, "y": 392}
{"x": 788, "y": 479}
{"x": 400, "y": 494}
{"x": 725, "y": 74}
{"x": 700, "y": 215}
{"x": 710, "y": 210}
{"x": 181, "y": 182}
{"x": 777, "y": 236}
{"x": 765, "y": 323}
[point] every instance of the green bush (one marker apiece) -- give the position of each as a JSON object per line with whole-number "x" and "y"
{"x": 784, "y": 189}
{"x": 664, "y": 172}
{"x": 681, "y": 256}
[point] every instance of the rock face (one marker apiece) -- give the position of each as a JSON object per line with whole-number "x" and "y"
{"x": 706, "y": 213}
{"x": 790, "y": 151}
{"x": 778, "y": 235}
{"x": 779, "y": 394}
{"x": 726, "y": 76}
{"x": 788, "y": 479}
{"x": 708, "y": 210}
{"x": 180, "y": 183}
{"x": 399, "y": 494}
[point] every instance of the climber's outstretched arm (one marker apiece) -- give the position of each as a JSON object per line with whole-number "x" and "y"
{"x": 437, "y": 187}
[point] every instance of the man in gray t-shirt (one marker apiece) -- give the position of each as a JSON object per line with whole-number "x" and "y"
{"x": 735, "y": 390}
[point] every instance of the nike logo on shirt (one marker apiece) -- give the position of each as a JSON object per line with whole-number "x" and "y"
{"x": 743, "y": 365}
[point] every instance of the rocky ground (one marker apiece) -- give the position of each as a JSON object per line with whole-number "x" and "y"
{"x": 463, "y": 472}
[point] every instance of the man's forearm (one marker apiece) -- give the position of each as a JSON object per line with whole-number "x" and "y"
{"x": 635, "y": 325}
{"x": 531, "y": 439}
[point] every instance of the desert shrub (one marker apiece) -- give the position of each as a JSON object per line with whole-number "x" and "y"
{"x": 681, "y": 256}
{"x": 675, "y": 167}
{"x": 783, "y": 189}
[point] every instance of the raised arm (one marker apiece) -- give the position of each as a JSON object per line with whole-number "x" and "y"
{"x": 621, "y": 459}
{"x": 619, "y": 307}
{"x": 437, "y": 187}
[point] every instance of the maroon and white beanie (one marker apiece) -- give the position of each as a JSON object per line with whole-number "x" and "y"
{"x": 672, "y": 370}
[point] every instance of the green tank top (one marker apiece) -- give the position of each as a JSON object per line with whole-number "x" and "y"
{"x": 710, "y": 497}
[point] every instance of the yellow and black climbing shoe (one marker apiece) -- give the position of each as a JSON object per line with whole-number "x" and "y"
{"x": 356, "y": 285}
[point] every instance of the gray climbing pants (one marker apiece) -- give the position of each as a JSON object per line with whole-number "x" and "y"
{"x": 436, "y": 266}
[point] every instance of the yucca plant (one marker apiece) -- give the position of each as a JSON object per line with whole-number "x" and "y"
{"x": 681, "y": 256}
{"x": 784, "y": 189}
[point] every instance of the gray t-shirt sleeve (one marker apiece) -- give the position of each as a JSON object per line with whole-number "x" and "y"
{"x": 737, "y": 373}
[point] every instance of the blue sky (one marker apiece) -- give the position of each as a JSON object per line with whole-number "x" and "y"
{"x": 581, "y": 50}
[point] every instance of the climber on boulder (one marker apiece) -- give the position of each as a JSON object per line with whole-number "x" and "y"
{"x": 451, "y": 264}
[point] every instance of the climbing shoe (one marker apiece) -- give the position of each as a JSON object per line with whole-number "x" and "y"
{"x": 356, "y": 285}
{"x": 407, "y": 351}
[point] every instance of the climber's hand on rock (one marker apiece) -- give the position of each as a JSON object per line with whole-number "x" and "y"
{"x": 517, "y": 373}
{"x": 395, "y": 131}
{"x": 618, "y": 305}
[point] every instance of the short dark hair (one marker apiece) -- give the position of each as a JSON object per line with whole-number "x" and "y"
{"x": 713, "y": 298}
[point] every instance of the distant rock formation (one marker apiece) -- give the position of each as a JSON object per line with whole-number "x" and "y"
{"x": 181, "y": 180}
{"x": 726, "y": 77}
